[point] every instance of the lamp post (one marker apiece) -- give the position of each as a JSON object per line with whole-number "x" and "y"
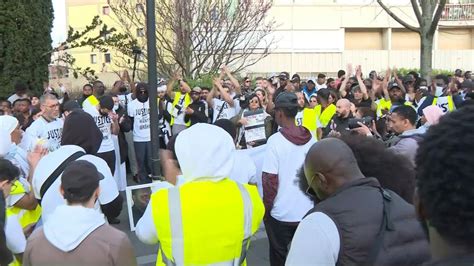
{"x": 152, "y": 82}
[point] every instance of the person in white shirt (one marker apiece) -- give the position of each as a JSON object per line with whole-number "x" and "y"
{"x": 47, "y": 129}
{"x": 321, "y": 82}
{"x": 107, "y": 121}
{"x": 139, "y": 112}
{"x": 221, "y": 101}
{"x": 20, "y": 92}
{"x": 285, "y": 204}
{"x": 81, "y": 139}
{"x": 180, "y": 101}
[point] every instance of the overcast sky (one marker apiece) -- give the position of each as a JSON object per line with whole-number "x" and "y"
{"x": 59, "y": 32}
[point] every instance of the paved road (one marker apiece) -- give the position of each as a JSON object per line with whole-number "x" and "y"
{"x": 146, "y": 254}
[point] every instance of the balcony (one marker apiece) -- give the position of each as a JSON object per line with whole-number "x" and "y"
{"x": 458, "y": 12}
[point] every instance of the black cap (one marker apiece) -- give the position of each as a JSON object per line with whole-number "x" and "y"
{"x": 80, "y": 179}
{"x": 286, "y": 99}
{"x": 71, "y": 105}
{"x": 106, "y": 102}
{"x": 393, "y": 86}
{"x": 284, "y": 75}
{"x": 409, "y": 78}
{"x": 295, "y": 78}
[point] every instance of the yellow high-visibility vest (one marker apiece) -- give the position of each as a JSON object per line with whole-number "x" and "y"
{"x": 326, "y": 115}
{"x": 92, "y": 100}
{"x": 450, "y": 104}
{"x": 387, "y": 105}
{"x": 25, "y": 217}
{"x": 187, "y": 101}
{"x": 206, "y": 222}
{"x": 309, "y": 120}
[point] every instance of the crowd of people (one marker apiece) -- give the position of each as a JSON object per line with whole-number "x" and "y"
{"x": 351, "y": 170}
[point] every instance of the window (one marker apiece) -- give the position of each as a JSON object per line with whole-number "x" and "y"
{"x": 139, "y": 8}
{"x": 93, "y": 59}
{"x": 107, "y": 58}
{"x": 140, "y": 32}
{"x": 105, "y": 10}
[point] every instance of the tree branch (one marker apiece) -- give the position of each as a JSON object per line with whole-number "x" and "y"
{"x": 396, "y": 18}
{"x": 437, "y": 16}
{"x": 416, "y": 9}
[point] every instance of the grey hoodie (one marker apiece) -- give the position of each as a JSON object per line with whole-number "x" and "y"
{"x": 75, "y": 235}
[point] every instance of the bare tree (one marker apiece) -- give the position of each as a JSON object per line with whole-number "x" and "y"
{"x": 199, "y": 36}
{"x": 428, "y": 14}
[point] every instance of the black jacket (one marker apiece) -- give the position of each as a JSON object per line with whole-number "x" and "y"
{"x": 199, "y": 115}
{"x": 357, "y": 211}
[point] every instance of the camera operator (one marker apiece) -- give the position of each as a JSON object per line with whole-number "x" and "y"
{"x": 339, "y": 124}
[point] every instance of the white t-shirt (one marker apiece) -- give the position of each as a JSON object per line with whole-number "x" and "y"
{"x": 41, "y": 131}
{"x": 316, "y": 242}
{"x": 125, "y": 99}
{"x": 244, "y": 170}
{"x": 15, "y": 97}
{"x": 141, "y": 120}
{"x": 299, "y": 118}
{"x": 16, "y": 241}
{"x": 52, "y": 198}
{"x": 285, "y": 159}
{"x": 104, "y": 123}
{"x": 322, "y": 86}
{"x": 227, "y": 111}
{"x": 178, "y": 113}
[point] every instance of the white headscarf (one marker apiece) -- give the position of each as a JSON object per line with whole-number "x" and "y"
{"x": 7, "y": 125}
{"x": 205, "y": 152}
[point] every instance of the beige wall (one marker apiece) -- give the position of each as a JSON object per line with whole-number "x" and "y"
{"x": 363, "y": 39}
{"x": 405, "y": 40}
{"x": 455, "y": 39}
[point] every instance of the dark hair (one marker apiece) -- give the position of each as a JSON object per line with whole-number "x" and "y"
{"x": 366, "y": 111}
{"x": 329, "y": 80}
{"x": 8, "y": 102}
{"x": 20, "y": 87}
{"x": 414, "y": 74}
{"x": 35, "y": 111}
{"x": 444, "y": 176}
{"x": 228, "y": 126}
{"x": 340, "y": 73}
{"x": 98, "y": 87}
{"x": 9, "y": 171}
{"x": 205, "y": 89}
{"x": 22, "y": 100}
{"x": 406, "y": 112}
{"x": 444, "y": 78}
{"x": 394, "y": 171}
{"x": 321, "y": 76}
{"x": 289, "y": 112}
{"x": 87, "y": 85}
{"x": 323, "y": 94}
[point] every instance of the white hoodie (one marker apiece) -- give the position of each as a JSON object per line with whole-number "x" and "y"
{"x": 68, "y": 226}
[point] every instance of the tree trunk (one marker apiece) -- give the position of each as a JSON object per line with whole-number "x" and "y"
{"x": 426, "y": 55}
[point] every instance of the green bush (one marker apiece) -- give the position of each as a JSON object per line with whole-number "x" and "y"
{"x": 404, "y": 71}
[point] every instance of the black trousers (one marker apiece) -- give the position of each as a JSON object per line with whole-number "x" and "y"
{"x": 279, "y": 235}
{"x": 109, "y": 158}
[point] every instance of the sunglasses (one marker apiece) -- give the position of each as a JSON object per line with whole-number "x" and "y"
{"x": 253, "y": 101}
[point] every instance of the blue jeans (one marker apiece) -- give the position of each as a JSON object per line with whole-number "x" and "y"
{"x": 143, "y": 155}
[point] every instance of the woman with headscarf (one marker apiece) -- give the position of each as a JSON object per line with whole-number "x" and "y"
{"x": 21, "y": 200}
{"x": 430, "y": 117}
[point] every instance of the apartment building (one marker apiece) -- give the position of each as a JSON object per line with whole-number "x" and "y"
{"x": 315, "y": 36}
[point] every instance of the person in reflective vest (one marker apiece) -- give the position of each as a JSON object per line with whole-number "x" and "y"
{"x": 325, "y": 110}
{"x": 209, "y": 219}
{"x": 306, "y": 115}
{"x": 92, "y": 101}
{"x": 181, "y": 100}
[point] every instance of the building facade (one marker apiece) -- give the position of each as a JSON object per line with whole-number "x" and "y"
{"x": 323, "y": 36}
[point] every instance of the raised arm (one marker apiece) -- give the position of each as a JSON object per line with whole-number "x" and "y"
{"x": 170, "y": 85}
{"x": 385, "y": 85}
{"x": 232, "y": 79}
{"x": 211, "y": 96}
{"x": 224, "y": 95}
{"x": 342, "y": 89}
{"x": 398, "y": 80}
{"x": 362, "y": 86}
